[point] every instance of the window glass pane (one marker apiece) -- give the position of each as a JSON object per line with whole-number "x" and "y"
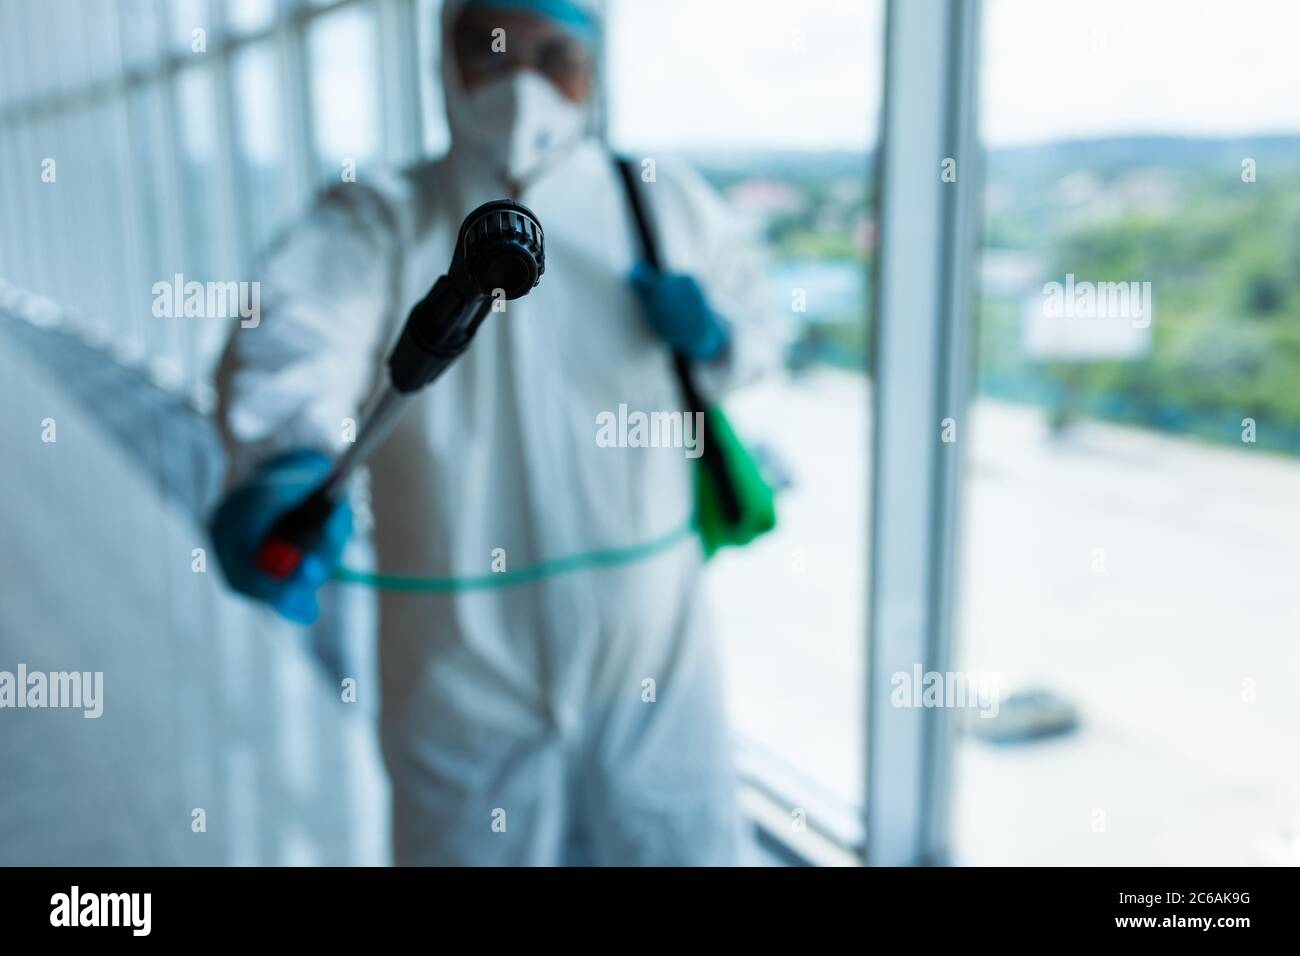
{"x": 781, "y": 119}
{"x": 263, "y": 181}
{"x": 134, "y": 278}
{"x": 143, "y": 108}
{"x": 97, "y": 247}
{"x": 203, "y": 220}
{"x": 27, "y": 263}
{"x": 185, "y": 17}
{"x": 47, "y": 209}
{"x": 141, "y": 30}
{"x": 77, "y": 249}
{"x": 19, "y": 266}
{"x": 102, "y": 42}
{"x": 62, "y": 32}
{"x": 12, "y": 225}
{"x": 40, "y": 63}
{"x": 197, "y": 159}
{"x": 345, "y": 107}
{"x": 437, "y": 138}
{"x": 1131, "y": 515}
{"x": 248, "y": 16}
{"x": 13, "y": 81}
{"x": 161, "y": 247}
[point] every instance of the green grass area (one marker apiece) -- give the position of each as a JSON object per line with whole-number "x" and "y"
{"x": 1222, "y": 256}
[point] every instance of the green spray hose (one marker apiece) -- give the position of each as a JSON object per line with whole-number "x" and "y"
{"x": 610, "y": 557}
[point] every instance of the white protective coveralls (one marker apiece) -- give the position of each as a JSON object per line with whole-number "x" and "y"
{"x": 531, "y": 699}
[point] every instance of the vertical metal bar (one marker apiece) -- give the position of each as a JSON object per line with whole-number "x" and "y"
{"x": 920, "y": 355}
{"x": 956, "y": 383}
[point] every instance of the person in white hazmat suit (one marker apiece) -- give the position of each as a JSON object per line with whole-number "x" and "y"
{"x": 576, "y": 718}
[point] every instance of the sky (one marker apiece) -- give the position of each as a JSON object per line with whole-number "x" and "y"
{"x": 805, "y": 74}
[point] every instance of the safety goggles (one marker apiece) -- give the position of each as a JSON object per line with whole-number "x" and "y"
{"x": 555, "y": 53}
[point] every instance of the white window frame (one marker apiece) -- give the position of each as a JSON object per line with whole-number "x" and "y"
{"x": 921, "y": 351}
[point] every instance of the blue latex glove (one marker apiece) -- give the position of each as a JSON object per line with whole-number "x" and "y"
{"x": 679, "y": 312}
{"x": 247, "y": 514}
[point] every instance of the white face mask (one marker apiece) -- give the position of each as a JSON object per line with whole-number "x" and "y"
{"x": 521, "y": 125}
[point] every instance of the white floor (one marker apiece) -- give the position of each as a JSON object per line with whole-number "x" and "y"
{"x": 208, "y": 704}
{"x": 1150, "y": 580}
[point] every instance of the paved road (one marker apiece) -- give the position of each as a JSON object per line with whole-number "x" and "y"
{"x": 1179, "y": 645}
{"x": 1181, "y": 651}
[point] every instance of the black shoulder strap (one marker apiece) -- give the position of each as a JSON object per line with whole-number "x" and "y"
{"x": 636, "y": 203}
{"x": 649, "y": 242}
{"x": 711, "y": 456}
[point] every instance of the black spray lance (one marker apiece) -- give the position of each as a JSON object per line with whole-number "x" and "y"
{"x": 499, "y": 252}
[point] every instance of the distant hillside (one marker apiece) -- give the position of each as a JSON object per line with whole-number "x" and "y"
{"x": 729, "y": 166}
{"x": 1025, "y": 164}
{"x": 1024, "y": 167}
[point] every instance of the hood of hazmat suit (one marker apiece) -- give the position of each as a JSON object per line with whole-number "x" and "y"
{"x": 576, "y": 718}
